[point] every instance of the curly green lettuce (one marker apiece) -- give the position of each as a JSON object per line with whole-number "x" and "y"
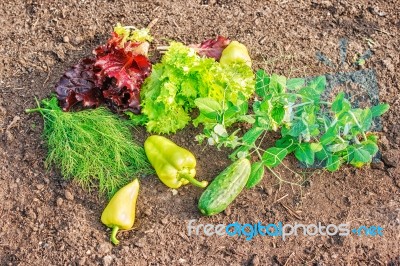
{"x": 168, "y": 95}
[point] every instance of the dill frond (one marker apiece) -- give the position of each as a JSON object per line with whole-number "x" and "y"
{"x": 92, "y": 147}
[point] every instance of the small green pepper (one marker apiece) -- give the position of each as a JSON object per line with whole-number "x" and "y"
{"x": 175, "y": 166}
{"x": 120, "y": 211}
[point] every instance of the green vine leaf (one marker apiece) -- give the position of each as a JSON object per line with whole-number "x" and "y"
{"x": 338, "y": 146}
{"x": 262, "y": 83}
{"x": 273, "y": 156}
{"x": 370, "y": 146}
{"x": 340, "y": 104}
{"x": 295, "y": 84}
{"x": 305, "y": 154}
{"x": 318, "y": 84}
{"x": 358, "y": 156}
{"x": 278, "y": 113}
{"x": 333, "y": 163}
{"x": 379, "y": 109}
{"x": 256, "y": 174}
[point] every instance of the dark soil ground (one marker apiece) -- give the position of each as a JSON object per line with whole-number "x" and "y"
{"x": 48, "y": 221}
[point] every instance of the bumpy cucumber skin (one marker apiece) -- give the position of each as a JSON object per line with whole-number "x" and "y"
{"x": 225, "y": 187}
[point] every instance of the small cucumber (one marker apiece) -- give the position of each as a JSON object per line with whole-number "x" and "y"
{"x": 225, "y": 187}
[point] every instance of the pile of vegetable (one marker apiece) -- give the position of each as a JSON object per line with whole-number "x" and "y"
{"x": 208, "y": 84}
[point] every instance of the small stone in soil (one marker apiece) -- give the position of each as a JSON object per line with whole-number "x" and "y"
{"x": 308, "y": 250}
{"x": 346, "y": 201}
{"x": 378, "y": 165}
{"x": 31, "y": 214}
{"x": 139, "y": 244}
{"x": 227, "y": 211}
{"x": 78, "y": 40}
{"x": 384, "y": 143}
{"x": 164, "y": 221}
{"x": 104, "y": 248}
{"x": 82, "y": 261}
{"x": 255, "y": 261}
{"x": 68, "y": 195}
{"x": 147, "y": 212}
{"x": 59, "y": 201}
{"x": 107, "y": 260}
{"x": 389, "y": 159}
{"x": 372, "y": 201}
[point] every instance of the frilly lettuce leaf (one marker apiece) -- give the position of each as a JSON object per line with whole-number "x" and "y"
{"x": 114, "y": 76}
{"x": 168, "y": 95}
{"x": 131, "y": 33}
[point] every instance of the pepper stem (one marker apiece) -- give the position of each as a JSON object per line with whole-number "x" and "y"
{"x": 113, "y": 237}
{"x": 188, "y": 177}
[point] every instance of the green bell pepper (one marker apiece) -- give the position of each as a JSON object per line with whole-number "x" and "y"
{"x": 175, "y": 166}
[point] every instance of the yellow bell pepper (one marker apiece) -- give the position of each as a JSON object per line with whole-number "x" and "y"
{"x": 175, "y": 166}
{"x": 120, "y": 211}
{"x": 235, "y": 52}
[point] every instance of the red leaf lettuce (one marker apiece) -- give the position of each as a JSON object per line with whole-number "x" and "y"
{"x": 115, "y": 76}
{"x": 212, "y": 48}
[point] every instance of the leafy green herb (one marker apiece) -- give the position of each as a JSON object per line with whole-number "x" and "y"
{"x": 92, "y": 147}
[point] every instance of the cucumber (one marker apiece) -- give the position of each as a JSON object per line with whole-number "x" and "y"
{"x": 225, "y": 187}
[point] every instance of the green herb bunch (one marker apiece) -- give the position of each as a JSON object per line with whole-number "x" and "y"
{"x": 93, "y": 147}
